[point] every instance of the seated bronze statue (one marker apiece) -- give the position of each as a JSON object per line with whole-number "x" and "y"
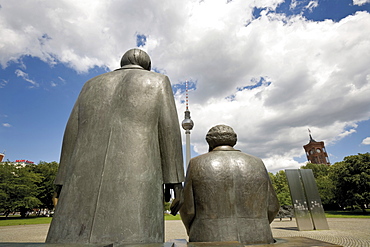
{"x": 228, "y": 195}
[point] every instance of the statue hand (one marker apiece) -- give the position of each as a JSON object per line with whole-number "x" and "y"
{"x": 175, "y": 206}
{"x": 179, "y": 199}
{"x": 167, "y": 192}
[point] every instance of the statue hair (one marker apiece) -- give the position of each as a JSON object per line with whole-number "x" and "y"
{"x": 221, "y": 135}
{"x": 136, "y": 57}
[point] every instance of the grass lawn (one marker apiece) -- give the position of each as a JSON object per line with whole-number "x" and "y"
{"x": 16, "y": 220}
{"x": 348, "y": 214}
{"x": 171, "y": 217}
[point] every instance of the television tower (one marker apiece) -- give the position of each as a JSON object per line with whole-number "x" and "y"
{"x": 187, "y": 125}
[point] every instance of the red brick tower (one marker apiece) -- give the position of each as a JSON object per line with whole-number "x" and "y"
{"x": 316, "y": 152}
{"x": 2, "y": 155}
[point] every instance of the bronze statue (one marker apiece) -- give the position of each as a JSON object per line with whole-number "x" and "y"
{"x": 228, "y": 195}
{"x": 121, "y": 144}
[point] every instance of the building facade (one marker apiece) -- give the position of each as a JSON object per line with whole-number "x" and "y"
{"x": 316, "y": 152}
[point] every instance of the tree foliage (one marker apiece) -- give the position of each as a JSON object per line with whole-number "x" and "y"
{"x": 167, "y": 206}
{"x": 23, "y": 188}
{"x": 324, "y": 183}
{"x": 351, "y": 178}
{"x": 280, "y": 184}
{"x": 46, "y": 187}
{"x": 344, "y": 184}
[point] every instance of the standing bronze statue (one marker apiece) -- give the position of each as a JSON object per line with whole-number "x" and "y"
{"x": 121, "y": 144}
{"x": 228, "y": 195}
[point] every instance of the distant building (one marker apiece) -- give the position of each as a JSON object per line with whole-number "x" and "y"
{"x": 316, "y": 152}
{"x": 22, "y": 162}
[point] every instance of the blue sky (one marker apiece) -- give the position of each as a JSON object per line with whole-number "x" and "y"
{"x": 271, "y": 70}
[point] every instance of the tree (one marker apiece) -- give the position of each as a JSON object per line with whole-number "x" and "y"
{"x": 351, "y": 178}
{"x": 5, "y": 178}
{"x": 324, "y": 183}
{"x": 318, "y": 170}
{"x": 46, "y": 187}
{"x": 280, "y": 184}
{"x": 167, "y": 206}
{"x": 18, "y": 188}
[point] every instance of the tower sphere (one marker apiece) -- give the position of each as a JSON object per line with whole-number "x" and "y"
{"x": 187, "y": 124}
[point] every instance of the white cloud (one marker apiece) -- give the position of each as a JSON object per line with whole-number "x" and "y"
{"x": 7, "y": 125}
{"x": 303, "y": 5}
{"x": 25, "y": 77}
{"x": 312, "y": 4}
{"x": 346, "y": 133}
{"x": 293, "y": 4}
{"x": 3, "y": 83}
{"x": 60, "y": 78}
{"x": 318, "y": 72}
{"x": 360, "y": 2}
{"x": 280, "y": 162}
{"x": 366, "y": 141}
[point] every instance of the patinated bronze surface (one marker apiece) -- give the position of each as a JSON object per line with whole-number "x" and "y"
{"x": 121, "y": 144}
{"x": 228, "y": 195}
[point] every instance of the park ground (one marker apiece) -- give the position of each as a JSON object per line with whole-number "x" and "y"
{"x": 14, "y": 220}
{"x": 347, "y": 232}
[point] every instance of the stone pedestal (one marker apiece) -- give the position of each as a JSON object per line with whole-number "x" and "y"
{"x": 280, "y": 242}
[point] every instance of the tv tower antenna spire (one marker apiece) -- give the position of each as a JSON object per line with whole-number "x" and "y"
{"x": 187, "y": 125}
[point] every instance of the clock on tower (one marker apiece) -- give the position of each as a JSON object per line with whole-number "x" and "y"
{"x": 316, "y": 152}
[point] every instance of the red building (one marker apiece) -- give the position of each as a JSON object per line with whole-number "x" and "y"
{"x": 316, "y": 152}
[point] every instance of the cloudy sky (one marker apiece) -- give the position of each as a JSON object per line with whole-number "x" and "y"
{"x": 271, "y": 69}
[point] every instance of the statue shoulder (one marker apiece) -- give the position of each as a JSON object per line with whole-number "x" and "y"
{"x": 250, "y": 158}
{"x": 198, "y": 161}
{"x": 102, "y": 77}
{"x": 151, "y": 75}
{"x": 157, "y": 75}
{"x": 200, "y": 158}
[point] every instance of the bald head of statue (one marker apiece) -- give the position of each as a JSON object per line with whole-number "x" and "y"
{"x": 221, "y": 135}
{"x": 136, "y": 57}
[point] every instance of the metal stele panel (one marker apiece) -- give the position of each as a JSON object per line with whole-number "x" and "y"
{"x": 314, "y": 200}
{"x": 301, "y": 210}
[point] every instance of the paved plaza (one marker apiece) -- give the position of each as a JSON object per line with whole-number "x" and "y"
{"x": 347, "y": 232}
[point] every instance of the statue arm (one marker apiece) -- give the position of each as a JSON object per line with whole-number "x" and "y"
{"x": 69, "y": 140}
{"x": 170, "y": 137}
{"x": 179, "y": 198}
{"x": 187, "y": 210}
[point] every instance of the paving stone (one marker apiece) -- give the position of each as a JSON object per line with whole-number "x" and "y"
{"x": 348, "y": 232}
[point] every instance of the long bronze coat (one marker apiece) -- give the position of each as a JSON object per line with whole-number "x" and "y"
{"x": 228, "y": 196}
{"x": 121, "y": 144}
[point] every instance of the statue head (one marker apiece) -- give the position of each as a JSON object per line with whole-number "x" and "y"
{"x": 221, "y": 135}
{"x": 136, "y": 57}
